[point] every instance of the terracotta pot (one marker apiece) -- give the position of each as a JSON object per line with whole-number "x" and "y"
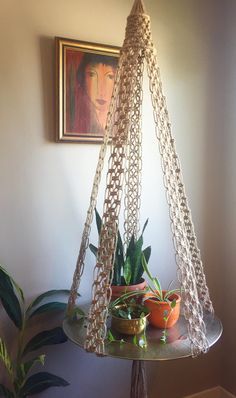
{"x": 161, "y": 309}
{"x": 117, "y": 291}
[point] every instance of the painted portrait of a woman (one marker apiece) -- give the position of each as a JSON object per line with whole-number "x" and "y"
{"x": 89, "y": 81}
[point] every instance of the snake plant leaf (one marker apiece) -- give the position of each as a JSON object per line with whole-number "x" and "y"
{"x": 49, "y": 293}
{"x": 49, "y": 307}
{"x": 98, "y": 221}
{"x": 119, "y": 247}
{"x": 4, "y": 392}
{"x": 118, "y": 262}
{"x": 40, "y": 382}
{"x": 47, "y": 337}
{"x": 5, "y": 357}
{"x": 93, "y": 249}
{"x": 136, "y": 260}
{"x": 9, "y": 299}
{"x": 147, "y": 253}
{"x": 145, "y": 266}
{"x": 131, "y": 247}
{"x": 144, "y": 227}
{"x": 127, "y": 271}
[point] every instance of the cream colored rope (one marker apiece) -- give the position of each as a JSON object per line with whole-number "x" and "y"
{"x": 133, "y": 175}
{"x": 92, "y": 204}
{"x": 194, "y": 290}
{"x": 96, "y": 330}
{"x": 125, "y": 160}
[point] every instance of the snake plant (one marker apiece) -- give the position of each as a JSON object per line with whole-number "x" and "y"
{"x": 128, "y": 269}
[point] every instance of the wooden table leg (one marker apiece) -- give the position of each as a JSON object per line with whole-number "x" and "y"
{"x": 138, "y": 380}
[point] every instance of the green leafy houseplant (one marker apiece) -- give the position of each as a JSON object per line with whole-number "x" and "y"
{"x": 20, "y": 384}
{"x": 128, "y": 318}
{"x": 129, "y": 309}
{"x": 128, "y": 269}
{"x": 164, "y": 305}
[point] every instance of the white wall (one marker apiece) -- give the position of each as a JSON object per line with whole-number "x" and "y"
{"x": 45, "y": 186}
{"x": 228, "y": 202}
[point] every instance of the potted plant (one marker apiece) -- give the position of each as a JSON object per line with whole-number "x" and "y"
{"x": 128, "y": 316}
{"x": 164, "y": 305}
{"x": 21, "y": 382}
{"x": 128, "y": 269}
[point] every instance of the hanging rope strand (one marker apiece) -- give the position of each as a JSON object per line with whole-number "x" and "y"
{"x": 96, "y": 330}
{"x": 132, "y": 200}
{"x": 125, "y": 127}
{"x": 178, "y": 210}
{"x": 92, "y": 204}
{"x": 183, "y": 203}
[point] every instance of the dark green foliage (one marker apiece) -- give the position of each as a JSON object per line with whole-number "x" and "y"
{"x": 129, "y": 310}
{"x": 18, "y": 367}
{"x": 49, "y": 307}
{"x": 47, "y": 294}
{"x": 9, "y": 299}
{"x": 128, "y": 269}
{"x": 40, "y": 382}
{"x": 47, "y": 337}
{"x": 4, "y": 392}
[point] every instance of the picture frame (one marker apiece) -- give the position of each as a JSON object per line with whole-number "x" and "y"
{"x": 85, "y": 74}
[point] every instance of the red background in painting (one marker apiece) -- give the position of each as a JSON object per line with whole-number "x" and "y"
{"x": 73, "y": 59}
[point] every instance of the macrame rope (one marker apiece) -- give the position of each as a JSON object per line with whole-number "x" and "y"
{"x": 124, "y": 167}
{"x": 133, "y": 174}
{"x": 92, "y": 204}
{"x": 103, "y": 272}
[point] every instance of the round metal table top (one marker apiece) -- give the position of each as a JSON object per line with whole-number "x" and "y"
{"x": 177, "y": 345}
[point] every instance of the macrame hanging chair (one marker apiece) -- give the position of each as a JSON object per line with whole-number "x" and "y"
{"x": 124, "y": 179}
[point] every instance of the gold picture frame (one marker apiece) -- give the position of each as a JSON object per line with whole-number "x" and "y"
{"x": 85, "y": 75}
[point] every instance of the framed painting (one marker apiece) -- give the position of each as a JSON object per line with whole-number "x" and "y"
{"x": 85, "y": 80}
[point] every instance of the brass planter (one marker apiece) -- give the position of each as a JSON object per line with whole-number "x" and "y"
{"x": 128, "y": 326}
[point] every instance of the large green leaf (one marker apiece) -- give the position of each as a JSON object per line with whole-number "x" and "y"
{"x": 40, "y": 382}
{"x": 47, "y": 337}
{"x": 13, "y": 282}
{"x": 4, "y": 392}
{"x": 49, "y": 307}
{"x": 47, "y": 294}
{"x": 9, "y": 299}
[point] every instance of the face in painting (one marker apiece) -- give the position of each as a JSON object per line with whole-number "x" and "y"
{"x": 99, "y": 80}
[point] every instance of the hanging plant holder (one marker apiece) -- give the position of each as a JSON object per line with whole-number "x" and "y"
{"x": 198, "y": 327}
